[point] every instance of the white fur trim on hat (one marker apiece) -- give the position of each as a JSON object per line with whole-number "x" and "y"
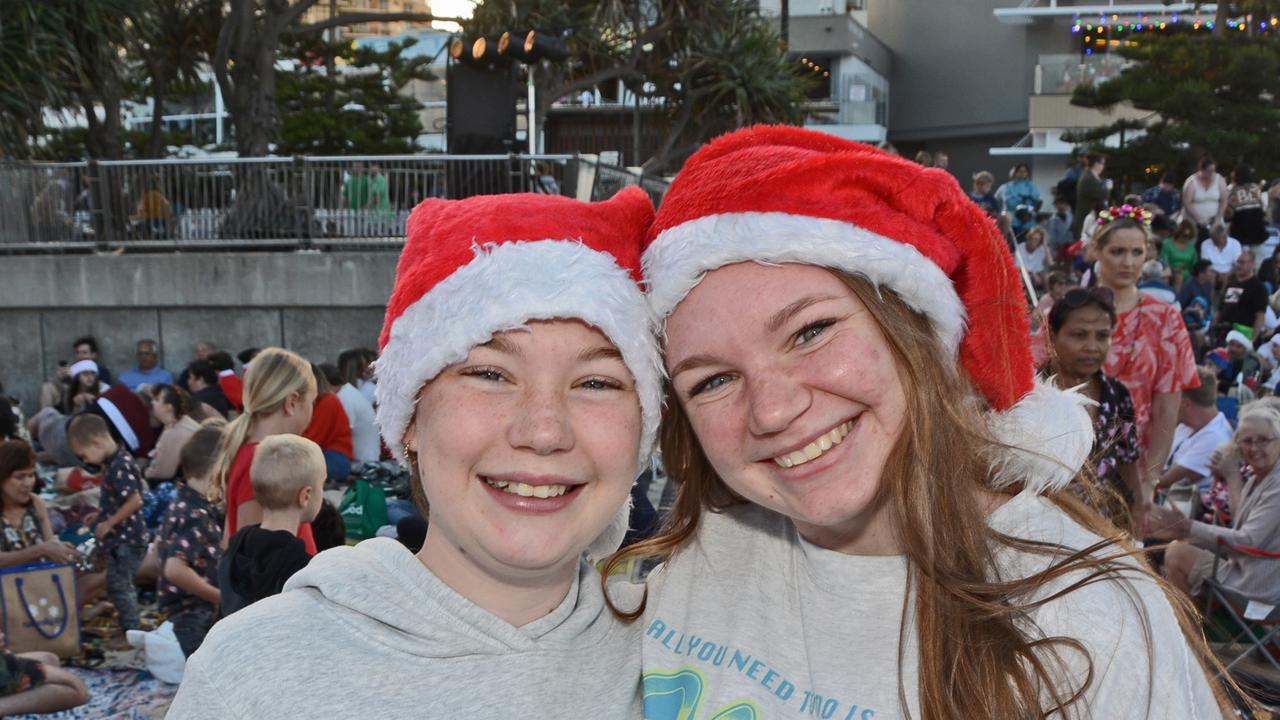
{"x": 505, "y": 286}
{"x": 676, "y": 261}
{"x": 117, "y": 419}
{"x": 80, "y": 366}
{"x": 1048, "y": 436}
{"x": 1240, "y": 338}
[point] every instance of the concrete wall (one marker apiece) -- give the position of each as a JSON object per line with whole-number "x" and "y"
{"x": 316, "y": 304}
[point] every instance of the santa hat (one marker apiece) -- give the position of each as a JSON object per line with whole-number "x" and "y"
{"x": 128, "y": 417}
{"x": 80, "y": 366}
{"x": 475, "y": 267}
{"x": 782, "y": 194}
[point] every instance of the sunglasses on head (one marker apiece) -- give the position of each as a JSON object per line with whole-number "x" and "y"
{"x": 1077, "y": 297}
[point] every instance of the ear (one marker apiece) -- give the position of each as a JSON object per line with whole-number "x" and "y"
{"x": 304, "y": 496}
{"x": 410, "y": 439}
{"x": 291, "y": 403}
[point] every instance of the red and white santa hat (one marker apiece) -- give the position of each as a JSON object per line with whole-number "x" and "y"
{"x": 782, "y": 194}
{"x": 475, "y": 267}
{"x": 128, "y": 416}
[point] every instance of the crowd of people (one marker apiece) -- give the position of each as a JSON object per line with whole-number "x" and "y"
{"x": 869, "y": 450}
{"x": 198, "y": 488}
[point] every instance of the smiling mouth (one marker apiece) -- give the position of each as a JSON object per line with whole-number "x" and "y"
{"x": 817, "y": 448}
{"x": 526, "y": 490}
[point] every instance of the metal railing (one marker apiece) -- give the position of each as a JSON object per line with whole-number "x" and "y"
{"x": 297, "y": 202}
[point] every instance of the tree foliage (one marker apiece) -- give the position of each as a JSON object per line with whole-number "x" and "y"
{"x": 1219, "y": 95}
{"x": 360, "y": 110}
{"x": 710, "y": 65}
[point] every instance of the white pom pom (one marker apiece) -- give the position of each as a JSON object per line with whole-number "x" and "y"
{"x": 1049, "y": 434}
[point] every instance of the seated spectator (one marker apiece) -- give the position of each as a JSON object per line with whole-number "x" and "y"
{"x": 1221, "y": 251}
{"x": 83, "y": 388}
{"x": 1242, "y": 366}
{"x": 26, "y": 535}
{"x": 1154, "y": 275}
{"x": 48, "y": 430}
{"x": 1179, "y": 253}
{"x": 1189, "y": 559}
{"x": 202, "y": 381}
{"x": 288, "y": 474}
{"x": 171, "y": 406}
{"x": 982, "y": 195}
{"x": 1080, "y": 327}
{"x": 189, "y": 543}
{"x": 1020, "y": 198}
{"x": 1058, "y": 228}
{"x": 1166, "y": 195}
{"x": 366, "y": 444}
{"x": 86, "y": 348}
{"x": 369, "y": 384}
{"x": 36, "y": 683}
{"x": 228, "y": 381}
{"x": 53, "y": 391}
{"x": 200, "y": 350}
{"x": 1202, "y": 428}
{"x": 1244, "y": 300}
{"x": 329, "y": 428}
{"x": 1034, "y": 255}
{"x": 147, "y": 371}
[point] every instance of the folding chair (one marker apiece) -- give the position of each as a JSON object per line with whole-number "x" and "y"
{"x": 1224, "y": 615}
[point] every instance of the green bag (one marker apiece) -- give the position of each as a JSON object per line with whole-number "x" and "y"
{"x": 363, "y": 510}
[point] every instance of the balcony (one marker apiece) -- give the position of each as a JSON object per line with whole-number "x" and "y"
{"x": 1062, "y": 74}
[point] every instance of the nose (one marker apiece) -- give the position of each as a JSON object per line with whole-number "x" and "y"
{"x": 541, "y": 423}
{"x": 774, "y": 402}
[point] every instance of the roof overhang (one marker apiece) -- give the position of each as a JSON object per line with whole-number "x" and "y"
{"x": 1031, "y": 12}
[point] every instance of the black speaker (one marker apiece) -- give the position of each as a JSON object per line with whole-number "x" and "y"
{"x": 480, "y": 120}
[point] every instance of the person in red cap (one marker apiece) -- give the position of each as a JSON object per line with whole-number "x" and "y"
{"x": 870, "y": 518}
{"x": 519, "y": 380}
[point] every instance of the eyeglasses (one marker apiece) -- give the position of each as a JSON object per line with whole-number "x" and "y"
{"x": 1255, "y": 441}
{"x": 1077, "y": 297}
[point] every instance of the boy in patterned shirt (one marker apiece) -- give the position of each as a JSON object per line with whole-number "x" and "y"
{"x": 189, "y": 540}
{"x": 120, "y": 530}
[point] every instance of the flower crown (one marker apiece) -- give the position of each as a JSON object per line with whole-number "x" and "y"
{"x": 1137, "y": 212}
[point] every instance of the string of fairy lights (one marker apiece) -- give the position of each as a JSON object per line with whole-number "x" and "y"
{"x": 1113, "y": 30}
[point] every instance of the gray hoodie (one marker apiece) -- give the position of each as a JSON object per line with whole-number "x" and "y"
{"x": 369, "y": 632}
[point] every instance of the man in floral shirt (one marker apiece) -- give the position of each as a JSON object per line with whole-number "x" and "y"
{"x": 189, "y": 540}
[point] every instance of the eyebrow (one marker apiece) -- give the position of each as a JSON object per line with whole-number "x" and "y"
{"x": 500, "y": 344}
{"x": 600, "y": 352}
{"x": 693, "y": 362}
{"x": 780, "y": 318}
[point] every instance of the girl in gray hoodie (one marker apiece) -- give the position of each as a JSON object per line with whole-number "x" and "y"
{"x": 519, "y": 380}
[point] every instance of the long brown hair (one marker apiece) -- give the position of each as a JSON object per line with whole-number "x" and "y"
{"x": 974, "y": 660}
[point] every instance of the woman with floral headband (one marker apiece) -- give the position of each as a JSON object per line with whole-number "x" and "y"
{"x": 1150, "y": 348}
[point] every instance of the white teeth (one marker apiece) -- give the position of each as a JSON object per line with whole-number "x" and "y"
{"x": 815, "y": 449}
{"x": 523, "y": 490}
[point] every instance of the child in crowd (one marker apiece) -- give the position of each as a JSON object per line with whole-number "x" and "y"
{"x": 120, "y": 531}
{"x": 288, "y": 480}
{"x": 189, "y": 541}
{"x": 279, "y": 395}
{"x": 35, "y": 682}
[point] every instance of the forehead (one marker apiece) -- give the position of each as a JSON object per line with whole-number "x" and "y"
{"x": 1088, "y": 315}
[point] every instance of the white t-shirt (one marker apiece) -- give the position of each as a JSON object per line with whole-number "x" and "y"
{"x": 751, "y": 621}
{"x": 1193, "y": 448}
{"x": 1036, "y": 261}
{"x": 1223, "y": 260}
{"x": 365, "y": 442}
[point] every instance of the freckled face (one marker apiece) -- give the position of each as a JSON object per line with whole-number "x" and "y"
{"x": 793, "y": 393}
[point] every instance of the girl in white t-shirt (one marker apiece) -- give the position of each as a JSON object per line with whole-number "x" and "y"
{"x": 870, "y": 519}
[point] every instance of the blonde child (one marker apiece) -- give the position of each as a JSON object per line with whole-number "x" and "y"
{"x": 288, "y": 475}
{"x": 279, "y": 395}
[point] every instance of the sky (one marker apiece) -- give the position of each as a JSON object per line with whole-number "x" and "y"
{"x": 451, "y": 8}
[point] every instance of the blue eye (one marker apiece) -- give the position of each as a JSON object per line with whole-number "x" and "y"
{"x": 812, "y": 331}
{"x": 600, "y": 384}
{"x": 710, "y": 383}
{"x": 483, "y": 373}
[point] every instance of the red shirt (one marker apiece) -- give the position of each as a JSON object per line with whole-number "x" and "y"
{"x": 233, "y": 388}
{"x": 329, "y": 426}
{"x": 240, "y": 490}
